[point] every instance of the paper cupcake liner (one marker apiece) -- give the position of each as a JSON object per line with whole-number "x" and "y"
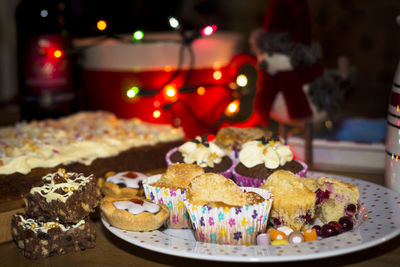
{"x": 236, "y": 226}
{"x": 227, "y": 173}
{"x": 172, "y": 198}
{"x": 242, "y": 180}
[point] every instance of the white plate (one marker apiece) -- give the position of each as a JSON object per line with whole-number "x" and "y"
{"x": 378, "y": 221}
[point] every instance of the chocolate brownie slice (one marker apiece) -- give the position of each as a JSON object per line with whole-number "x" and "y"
{"x": 67, "y": 197}
{"x": 43, "y": 239}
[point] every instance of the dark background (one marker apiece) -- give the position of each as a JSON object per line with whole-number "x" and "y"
{"x": 364, "y": 31}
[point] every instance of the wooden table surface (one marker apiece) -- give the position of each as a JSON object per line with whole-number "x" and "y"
{"x": 112, "y": 251}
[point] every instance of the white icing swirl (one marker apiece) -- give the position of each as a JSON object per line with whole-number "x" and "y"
{"x": 48, "y": 190}
{"x": 36, "y": 226}
{"x": 122, "y": 177}
{"x": 273, "y": 154}
{"x": 136, "y": 208}
{"x": 201, "y": 154}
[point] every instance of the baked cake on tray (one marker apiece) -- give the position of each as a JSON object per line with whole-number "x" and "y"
{"x": 85, "y": 142}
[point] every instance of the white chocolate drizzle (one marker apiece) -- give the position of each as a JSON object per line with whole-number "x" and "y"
{"x": 136, "y": 208}
{"x": 123, "y": 177}
{"x": 36, "y": 226}
{"x": 50, "y": 187}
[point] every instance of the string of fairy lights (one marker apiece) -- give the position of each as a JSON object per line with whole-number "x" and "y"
{"x": 168, "y": 90}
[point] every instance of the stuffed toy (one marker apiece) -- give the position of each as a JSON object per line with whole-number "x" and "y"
{"x": 292, "y": 84}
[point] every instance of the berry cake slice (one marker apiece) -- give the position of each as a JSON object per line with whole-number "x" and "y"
{"x": 336, "y": 199}
{"x": 294, "y": 199}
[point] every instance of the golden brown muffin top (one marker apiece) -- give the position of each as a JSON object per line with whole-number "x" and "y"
{"x": 310, "y": 183}
{"x": 290, "y": 191}
{"x": 216, "y": 190}
{"x": 229, "y": 136}
{"x": 179, "y": 175}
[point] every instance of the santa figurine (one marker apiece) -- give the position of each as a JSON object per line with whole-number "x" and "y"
{"x": 292, "y": 85}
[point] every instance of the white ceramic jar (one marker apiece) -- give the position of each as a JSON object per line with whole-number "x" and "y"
{"x": 392, "y": 168}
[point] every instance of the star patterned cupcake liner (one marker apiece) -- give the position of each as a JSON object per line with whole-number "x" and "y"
{"x": 234, "y": 225}
{"x": 172, "y": 198}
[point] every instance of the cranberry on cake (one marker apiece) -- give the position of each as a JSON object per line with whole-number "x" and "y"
{"x": 64, "y": 196}
{"x": 203, "y": 153}
{"x": 259, "y": 158}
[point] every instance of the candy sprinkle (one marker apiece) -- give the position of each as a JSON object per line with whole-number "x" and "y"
{"x": 279, "y": 242}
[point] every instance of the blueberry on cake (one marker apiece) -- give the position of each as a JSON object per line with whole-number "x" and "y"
{"x": 336, "y": 199}
{"x": 294, "y": 202}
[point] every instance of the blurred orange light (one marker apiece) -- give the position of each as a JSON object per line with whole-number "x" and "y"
{"x": 201, "y": 90}
{"x": 57, "y": 53}
{"x": 156, "y": 113}
{"x": 101, "y": 25}
{"x": 217, "y": 75}
{"x": 232, "y": 108}
{"x": 170, "y": 93}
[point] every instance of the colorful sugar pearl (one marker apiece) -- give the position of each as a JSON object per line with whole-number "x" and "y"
{"x": 310, "y": 235}
{"x": 279, "y": 242}
{"x": 287, "y": 230}
{"x": 276, "y": 234}
{"x": 295, "y": 237}
{"x": 263, "y": 239}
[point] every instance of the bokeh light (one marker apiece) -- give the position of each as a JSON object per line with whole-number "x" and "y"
{"x": 101, "y": 25}
{"x": 241, "y": 80}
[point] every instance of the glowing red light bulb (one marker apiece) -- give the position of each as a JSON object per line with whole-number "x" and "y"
{"x": 210, "y": 137}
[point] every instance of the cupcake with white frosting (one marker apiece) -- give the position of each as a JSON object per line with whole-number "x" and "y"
{"x": 259, "y": 158}
{"x": 201, "y": 152}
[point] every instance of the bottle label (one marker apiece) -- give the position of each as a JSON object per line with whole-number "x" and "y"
{"x": 47, "y": 67}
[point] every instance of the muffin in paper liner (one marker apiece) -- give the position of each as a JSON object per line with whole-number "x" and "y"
{"x": 172, "y": 198}
{"x": 242, "y": 180}
{"x": 227, "y": 173}
{"x": 235, "y": 225}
